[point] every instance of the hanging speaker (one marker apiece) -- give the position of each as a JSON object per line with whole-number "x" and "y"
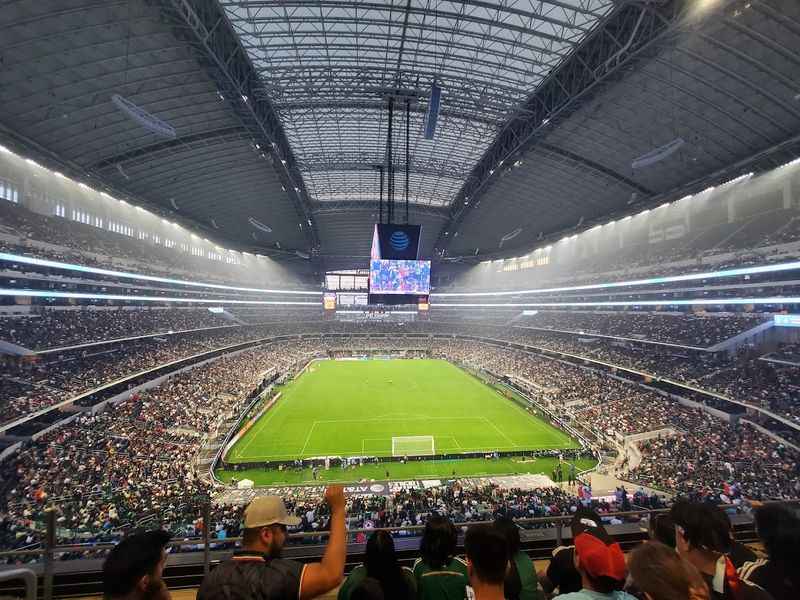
{"x": 432, "y": 114}
{"x": 143, "y": 118}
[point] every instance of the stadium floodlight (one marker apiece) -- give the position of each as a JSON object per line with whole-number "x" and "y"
{"x": 87, "y": 296}
{"x": 39, "y": 262}
{"x": 666, "y": 302}
{"x": 635, "y": 282}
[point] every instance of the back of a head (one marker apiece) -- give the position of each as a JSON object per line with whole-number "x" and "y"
{"x": 438, "y": 542}
{"x": 381, "y": 563}
{"x": 662, "y": 529}
{"x": 583, "y": 519}
{"x": 779, "y": 528}
{"x": 658, "y": 570}
{"x": 487, "y": 552}
{"x": 704, "y": 526}
{"x": 129, "y": 561}
{"x": 600, "y": 560}
{"x": 509, "y": 530}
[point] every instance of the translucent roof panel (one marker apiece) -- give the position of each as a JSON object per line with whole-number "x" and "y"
{"x": 328, "y": 67}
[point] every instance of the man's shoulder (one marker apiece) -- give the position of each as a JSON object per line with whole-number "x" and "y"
{"x": 458, "y": 564}
{"x": 750, "y": 570}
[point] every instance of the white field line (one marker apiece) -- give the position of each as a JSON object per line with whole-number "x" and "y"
{"x": 259, "y": 428}
{"x": 308, "y": 437}
{"x": 497, "y": 429}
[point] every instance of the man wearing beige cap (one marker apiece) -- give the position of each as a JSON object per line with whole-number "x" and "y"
{"x": 258, "y": 572}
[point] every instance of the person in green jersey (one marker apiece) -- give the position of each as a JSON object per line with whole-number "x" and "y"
{"x": 487, "y": 561}
{"x": 438, "y": 573}
{"x": 521, "y": 581}
{"x": 381, "y": 566}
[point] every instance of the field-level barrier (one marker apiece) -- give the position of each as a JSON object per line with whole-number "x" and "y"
{"x": 539, "y": 535}
{"x": 336, "y": 461}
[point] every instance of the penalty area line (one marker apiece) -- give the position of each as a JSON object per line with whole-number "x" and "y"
{"x": 308, "y": 437}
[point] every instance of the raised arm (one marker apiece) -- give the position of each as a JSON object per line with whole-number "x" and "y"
{"x": 319, "y": 578}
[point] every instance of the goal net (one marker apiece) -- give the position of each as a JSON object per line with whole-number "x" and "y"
{"x": 413, "y": 445}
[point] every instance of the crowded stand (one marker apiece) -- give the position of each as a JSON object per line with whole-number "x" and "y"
{"x": 134, "y": 461}
{"x": 37, "y": 384}
{"x": 28, "y": 233}
{"x": 725, "y": 463}
{"x": 94, "y": 455}
{"x": 48, "y": 328}
{"x": 674, "y": 328}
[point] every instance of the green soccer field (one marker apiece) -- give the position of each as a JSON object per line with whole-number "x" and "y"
{"x": 356, "y": 408}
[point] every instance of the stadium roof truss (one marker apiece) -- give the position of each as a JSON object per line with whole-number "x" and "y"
{"x": 328, "y": 68}
{"x": 280, "y": 109}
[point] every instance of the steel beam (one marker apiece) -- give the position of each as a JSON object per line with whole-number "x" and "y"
{"x": 626, "y": 33}
{"x": 203, "y": 24}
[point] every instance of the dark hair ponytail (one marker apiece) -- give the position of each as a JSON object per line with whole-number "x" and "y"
{"x": 381, "y": 563}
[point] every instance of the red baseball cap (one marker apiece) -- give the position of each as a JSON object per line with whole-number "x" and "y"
{"x": 599, "y": 555}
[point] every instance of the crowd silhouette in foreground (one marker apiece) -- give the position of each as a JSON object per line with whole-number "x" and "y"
{"x": 691, "y": 555}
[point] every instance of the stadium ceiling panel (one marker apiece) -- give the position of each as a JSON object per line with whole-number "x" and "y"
{"x": 725, "y": 83}
{"x": 60, "y": 65}
{"x": 328, "y": 68}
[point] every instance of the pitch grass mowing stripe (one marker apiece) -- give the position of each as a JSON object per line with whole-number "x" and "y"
{"x": 334, "y": 408}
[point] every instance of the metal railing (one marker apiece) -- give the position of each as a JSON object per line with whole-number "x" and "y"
{"x": 28, "y": 576}
{"x": 205, "y": 543}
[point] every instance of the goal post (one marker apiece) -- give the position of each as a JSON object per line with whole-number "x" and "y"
{"x": 413, "y": 445}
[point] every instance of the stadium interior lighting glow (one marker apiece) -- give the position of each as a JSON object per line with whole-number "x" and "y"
{"x": 5, "y": 150}
{"x": 738, "y": 179}
{"x": 668, "y": 302}
{"x": 651, "y": 281}
{"x": 796, "y": 161}
{"x": 72, "y": 267}
{"x": 86, "y": 296}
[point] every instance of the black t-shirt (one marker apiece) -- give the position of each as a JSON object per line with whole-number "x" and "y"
{"x": 252, "y": 576}
{"x": 741, "y": 554}
{"x": 749, "y": 590}
{"x": 778, "y": 581}
{"x": 562, "y": 572}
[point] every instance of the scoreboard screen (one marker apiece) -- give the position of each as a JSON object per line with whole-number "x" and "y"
{"x": 409, "y": 277}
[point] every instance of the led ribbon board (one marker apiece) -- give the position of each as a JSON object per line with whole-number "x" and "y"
{"x": 652, "y": 281}
{"x": 673, "y": 302}
{"x": 86, "y": 296}
{"x": 39, "y": 262}
{"x": 787, "y": 321}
